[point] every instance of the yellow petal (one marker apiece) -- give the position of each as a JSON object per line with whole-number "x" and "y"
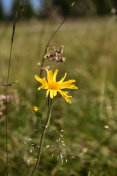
{"x": 44, "y": 86}
{"x": 63, "y": 78}
{"x": 47, "y": 93}
{"x": 44, "y": 81}
{"x": 72, "y": 86}
{"x": 65, "y": 96}
{"x": 69, "y": 82}
{"x": 51, "y": 94}
{"x": 68, "y": 100}
{"x": 39, "y": 79}
{"x": 55, "y": 74}
{"x": 49, "y": 75}
{"x": 55, "y": 93}
{"x": 68, "y": 85}
{"x": 39, "y": 88}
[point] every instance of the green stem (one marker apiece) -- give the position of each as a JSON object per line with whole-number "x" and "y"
{"x": 43, "y": 135}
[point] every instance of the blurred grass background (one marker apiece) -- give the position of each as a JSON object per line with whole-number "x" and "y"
{"x": 82, "y": 138}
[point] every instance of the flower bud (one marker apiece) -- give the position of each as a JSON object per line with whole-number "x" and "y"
{"x": 37, "y": 112}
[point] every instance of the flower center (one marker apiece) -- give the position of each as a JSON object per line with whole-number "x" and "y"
{"x": 53, "y": 86}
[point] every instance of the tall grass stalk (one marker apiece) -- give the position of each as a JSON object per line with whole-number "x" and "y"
{"x": 17, "y": 15}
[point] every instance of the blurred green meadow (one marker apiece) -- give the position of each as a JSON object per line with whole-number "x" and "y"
{"x": 82, "y": 137}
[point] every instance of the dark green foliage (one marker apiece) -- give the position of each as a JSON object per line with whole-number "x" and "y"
{"x": 27, "y": 12}
{"x": 115, "y": 3}
{"x": 72, "y": 8}
{"x": 65, "y": 5}
{"x": 15, "y": 6}
{"x": 103, "y": 6}
{"x": 47, "y": 9}
{"x": 84, "y": 7}
{"x": 75, "y": 7}
{"x": 1, "y": 13}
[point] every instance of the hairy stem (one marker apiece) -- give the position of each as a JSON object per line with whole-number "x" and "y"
{"x": 43, "y": 135}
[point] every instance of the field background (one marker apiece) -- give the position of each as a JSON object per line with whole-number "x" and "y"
{"x": 82, "y": 138}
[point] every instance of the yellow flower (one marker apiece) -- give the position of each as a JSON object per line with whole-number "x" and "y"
{"x": 35, "y": 109}
{"x": 53, "y": 86}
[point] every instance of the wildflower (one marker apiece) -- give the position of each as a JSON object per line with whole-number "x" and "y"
{"x": 53, "y": 87}
{"x": 35, "y": 109}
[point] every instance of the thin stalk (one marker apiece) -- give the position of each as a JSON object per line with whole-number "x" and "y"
{"x": 7, "y": 83}
{"x": 6, "y": 121}
{"x": 48, "y": 43}
{"x": 51, "y": 37}
{"x": 43, "y": 135}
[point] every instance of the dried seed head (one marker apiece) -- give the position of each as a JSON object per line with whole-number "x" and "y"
{"x": 54, "y": 54}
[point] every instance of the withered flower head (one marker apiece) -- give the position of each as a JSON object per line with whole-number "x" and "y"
{"x": 54, "y": 54}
